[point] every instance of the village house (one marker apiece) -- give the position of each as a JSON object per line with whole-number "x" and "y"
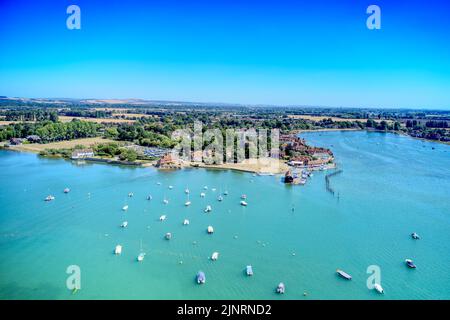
{"x": 168, "y": 161}
{"x": 82, "y": 154}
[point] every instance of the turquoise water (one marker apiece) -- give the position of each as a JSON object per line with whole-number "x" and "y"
{"x": 390, "y": 186}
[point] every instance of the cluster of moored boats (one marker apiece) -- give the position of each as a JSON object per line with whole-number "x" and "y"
{"x": 377, "y": 286}
{"x": 186, "y": 222}
{"x": 201, "y": 276}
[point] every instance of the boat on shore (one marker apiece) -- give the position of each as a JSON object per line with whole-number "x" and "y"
{"x": 249, "y": 270}
{"x": 281, "y": 288}
{"x": 200, "y": 277}
{"x": 118, "y": 250}
{"x": 410, "y": 264}
{"x": 343, "y": 274}
{"x": 49, "y": 198}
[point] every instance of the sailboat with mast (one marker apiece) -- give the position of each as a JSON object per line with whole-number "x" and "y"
{"x": 141, "y": 255}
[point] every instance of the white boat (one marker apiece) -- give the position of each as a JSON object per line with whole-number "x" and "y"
{"x": 415, "y": 236}
{"x": 378, "y": 288}
{"x": 215, "y": 256}
{"x": 202, "y": 194}
{"x": 244, "y": 196}
{"x": 208, "y": 208}
{"x": 141, "y": 257}
{"x": 149, "y": 197}
{"x": 66, "y": 190}
{"x": 130, "y": 194}
{"x": 158, "y": 183}
{"x": 125, "y": 208}
{"x": 163, "y": 217}
{"x": 168, "y": 236}
{"x": 281, "y": 288}
{"x": 205, "y": 187}
{"x": 186, "y": 222}
{"x": 188, "y": 202}
{"x": 210, "y": 230}
{"x": 124, "y": 224}
{"x": 165, "y": 201}
{"x": 213, "y": 189}
{"x": 219, "y": 198}
{"x": 186, "y": 191}
{"x": 243, "y": 203}
{"x": 225, "y": 193}
{"x": 249, "y": 270}
{"x": 118, "y": 249}
{"x": 49, "y": 198}
{"x": 170, "y": 187}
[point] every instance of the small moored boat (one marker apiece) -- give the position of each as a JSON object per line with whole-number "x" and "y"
{"x": 210, "y": 229}
{"x": 243, "y": 203}
{"x": 281, "y": 288}
{"x": 219, "y": 198}
{"x": 249, "y": 270}
{"x": 208, "y": 208}
{"x": 165, "y": 201}
{"x": 200, "y": 278}
{"x": 225, "y": 193}
{"x": 168, "y": 236}
{"x": 202, "y": 194}
{"x": 49, "y": 198}
{"x": 205, "y": 187}
{"x": 163, "y": 217}
{"x": 124, "y": 224}
{"x": 149, "y": 197}
{"x": 125, "y": 208}
{"x": 378, "y": 288}
{"x": 141, "y": 257}
{"x": 170, "y": 187}
{"x": 415, "y": 236}
{"x": 66, "y": 190}
{"x": 410, "y": 263}
{"x": 343, "y": 274}
{"x": 130, "y": 194}
{"x": 186, "y": 222}
{"x": 244, "y": 196}
{"x": 118, "y": 249}
{"x": 186, "y": 191}
{"x": 215, "y": 256}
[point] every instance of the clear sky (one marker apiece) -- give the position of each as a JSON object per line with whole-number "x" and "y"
{"x": 258, "y": 52}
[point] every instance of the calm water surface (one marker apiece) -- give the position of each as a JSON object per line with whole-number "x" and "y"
{"x": 390, "y": 186}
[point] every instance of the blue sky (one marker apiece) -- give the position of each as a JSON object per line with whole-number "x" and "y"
{"x": 256, "y": 52}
